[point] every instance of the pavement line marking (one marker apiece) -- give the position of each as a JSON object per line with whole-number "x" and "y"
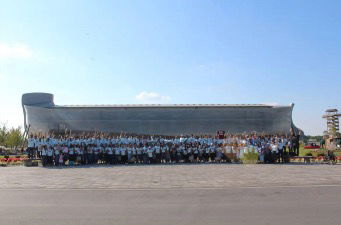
{"x": 169, "y": 188}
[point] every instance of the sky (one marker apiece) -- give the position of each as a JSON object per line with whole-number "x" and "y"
{"x": 192, "y": 51}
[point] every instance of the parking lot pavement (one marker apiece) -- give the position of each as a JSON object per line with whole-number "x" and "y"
{"x": 233, "y": 205}
{"x": 167, "y": 194}
{"x": 169, "y": 176}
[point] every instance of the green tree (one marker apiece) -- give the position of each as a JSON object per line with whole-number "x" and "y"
{"x": 15, "y": 138}
{"x": 333, "y": 132}
{"x": 11, "y": 137}
{"x": 3, "y": 134}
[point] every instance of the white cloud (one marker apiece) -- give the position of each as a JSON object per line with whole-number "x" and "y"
{"x": 152, "y": 97}
{"x": 15, "y": 51}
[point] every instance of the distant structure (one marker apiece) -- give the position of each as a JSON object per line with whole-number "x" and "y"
{"x": 41, "y": 115}
{"x": 332, "y": 117}
{"x": 332, "y": 135}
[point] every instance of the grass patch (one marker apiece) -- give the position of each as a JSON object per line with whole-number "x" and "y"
{"x": 315, "y": 152}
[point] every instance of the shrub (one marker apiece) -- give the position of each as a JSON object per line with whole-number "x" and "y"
{"x": 11, "y": 137}
{"x": 321, "y": 154}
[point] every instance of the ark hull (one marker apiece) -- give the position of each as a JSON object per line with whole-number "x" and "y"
{"x": 43, "y": 116}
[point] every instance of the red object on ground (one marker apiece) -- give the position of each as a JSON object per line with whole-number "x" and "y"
{"x": 312, "y": 147}
{"x": 11, "y": 159}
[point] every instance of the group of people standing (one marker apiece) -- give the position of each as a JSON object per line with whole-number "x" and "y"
{"x": 101, "y": 149}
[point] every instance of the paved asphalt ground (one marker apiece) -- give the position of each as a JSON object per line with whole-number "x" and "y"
{"x": 256, "y": 199}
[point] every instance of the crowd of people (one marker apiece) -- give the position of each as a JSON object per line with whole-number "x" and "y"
{"x": 103, "y": 149}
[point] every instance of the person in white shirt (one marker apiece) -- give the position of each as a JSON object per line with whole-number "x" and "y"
{"x": 117, "y": 154}
{"x": 157, "y": 150}
{"x": 134, "y": 153}
{"x": 39, "y": 142}
{"x": 96, "y": 152}
{"x": 152, "y": 149}
{"x": 123, "y": 151}
{"x": 219, "y": 153}
{"x": 145, "y": 153}
{"x": 184, "y": 153}
{"x": 71, "y": 155}
{"x": 129, "y": 153}
{"x": 280, "y": 151}
{"x": 49, "y": 156}
{"x": 195, "y": 153}
{"x": 90, "y": 154}
{"x": 274, "y": 152}
{"x": 179, "y": 153}
{"x": 44, "y": 155}
{"x": 109, "y": 154}
{"x": 81, "y": 153}
{"x": 201, "y": 154}
{"x": 102, "y": 152}
{"x": 212, "y": 153}
{"x": 65, "y": 150}
{"x": 163, "y": 153}
{"x": 167, "y": 152}
{"x": 207, "y": 153}
{"x": 150, "y": 152}
{"x": 31, "y": 145}
{"x": 56, "y": 154}
{"x": 78, "y": 157}
{"x": 139, "y": 153}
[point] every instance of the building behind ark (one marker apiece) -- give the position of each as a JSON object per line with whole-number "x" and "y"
{"x": 42, "y": 115}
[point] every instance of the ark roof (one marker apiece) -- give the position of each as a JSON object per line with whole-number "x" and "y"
{"x": 169, "y": 105}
